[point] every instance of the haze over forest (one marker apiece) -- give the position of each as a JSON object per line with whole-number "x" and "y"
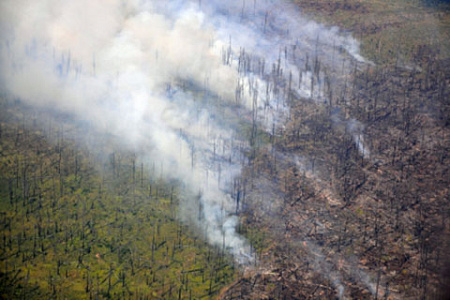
{"x": 232, "y": 150}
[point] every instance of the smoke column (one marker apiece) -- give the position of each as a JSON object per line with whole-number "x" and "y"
{"x": 173, "y": 79}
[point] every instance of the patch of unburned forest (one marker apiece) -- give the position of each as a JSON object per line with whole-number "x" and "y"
{"x": 82, "y": 225}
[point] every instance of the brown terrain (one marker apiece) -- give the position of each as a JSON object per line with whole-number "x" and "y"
{"x": 329, "y": 221}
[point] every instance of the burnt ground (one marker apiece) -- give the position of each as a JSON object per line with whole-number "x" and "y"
{"x": 328, "y": 221}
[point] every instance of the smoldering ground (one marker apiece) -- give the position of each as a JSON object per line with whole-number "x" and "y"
{"x": 128, "y": 68}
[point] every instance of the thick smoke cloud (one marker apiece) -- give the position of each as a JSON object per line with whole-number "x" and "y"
{"x": 172, "y": 78}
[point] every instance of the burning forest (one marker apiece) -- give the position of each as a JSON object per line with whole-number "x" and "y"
{"x": 233, "y": 150}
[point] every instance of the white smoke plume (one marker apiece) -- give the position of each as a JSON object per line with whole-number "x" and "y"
{"x": 356, "y": 129}
{"x": 171, "y": 78}
{"x": 353, "y": 127}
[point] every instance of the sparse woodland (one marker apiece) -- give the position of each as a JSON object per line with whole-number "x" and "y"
{"x": 386, "y": 215}
{"x": 75, "y": 225}
{"x": 375, "y": 225}
{"x": 325, "y": 219}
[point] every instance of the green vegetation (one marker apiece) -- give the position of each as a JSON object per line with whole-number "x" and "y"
{"x": 75, "y": 226}
{"x": 401, "y": 31}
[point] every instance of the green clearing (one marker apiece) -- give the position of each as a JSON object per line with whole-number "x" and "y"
{"x": 74, "y": 226}
{"x": 390, "y": 31}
